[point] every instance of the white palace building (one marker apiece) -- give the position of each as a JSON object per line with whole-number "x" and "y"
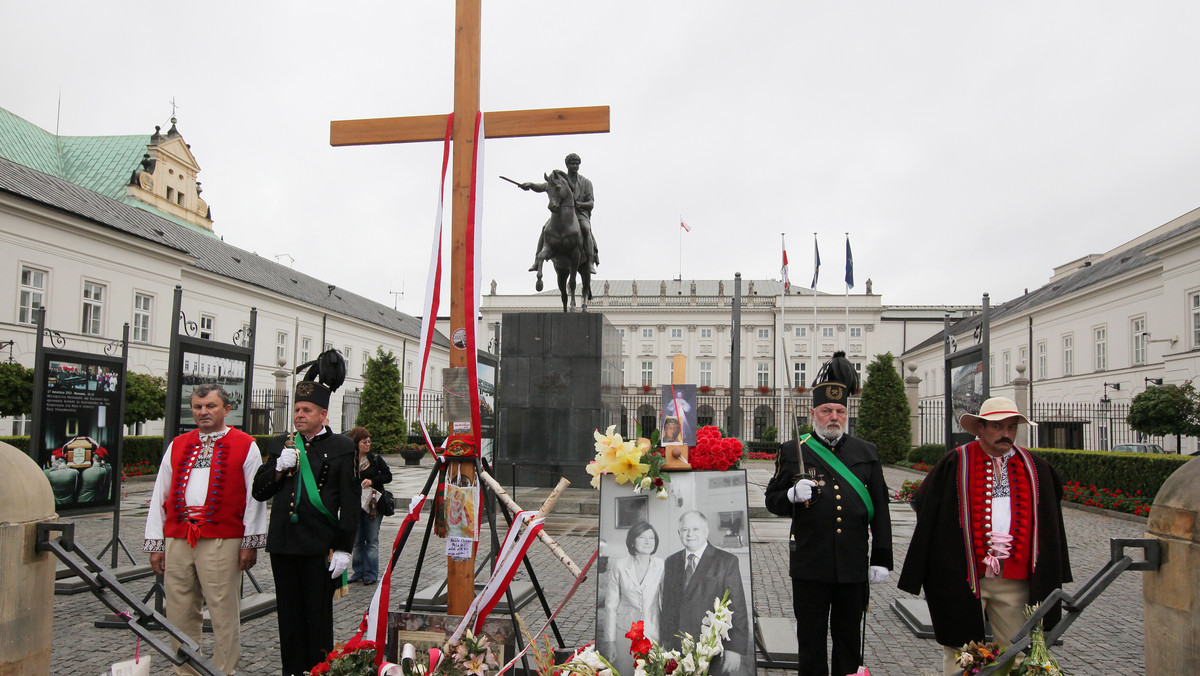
{"x": 101, "y": 229}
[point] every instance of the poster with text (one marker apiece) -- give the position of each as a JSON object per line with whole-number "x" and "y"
{"x": 204, "y": 362}
{"x": 80, "y": 428}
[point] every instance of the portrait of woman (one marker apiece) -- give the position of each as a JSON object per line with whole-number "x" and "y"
{"x": 634, "y": 593}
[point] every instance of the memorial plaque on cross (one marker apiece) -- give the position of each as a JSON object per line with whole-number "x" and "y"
{"x": 500, "y": 124}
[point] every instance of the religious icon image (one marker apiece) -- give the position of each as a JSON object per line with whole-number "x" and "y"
{"x": 672, "y": 431}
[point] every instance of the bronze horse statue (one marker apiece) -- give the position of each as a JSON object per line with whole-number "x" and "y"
{"x": 563, "y": 242}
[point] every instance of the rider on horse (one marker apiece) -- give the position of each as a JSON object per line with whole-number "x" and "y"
{"x": 584, "y": 200}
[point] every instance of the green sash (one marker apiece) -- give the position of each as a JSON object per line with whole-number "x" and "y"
{"x": 308, "y": 484}
{"x": 841, "y": 470}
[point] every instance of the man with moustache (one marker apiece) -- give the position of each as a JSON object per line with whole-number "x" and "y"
{"x": 989, "y": 537}
{"x": 311, "y": 480}
{"x": 841, "y": 530}
{"x": 203, "y": 528}
{"x": 693, "y": 578}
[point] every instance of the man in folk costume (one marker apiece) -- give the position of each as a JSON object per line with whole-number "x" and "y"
{"x": 989, "y": 537}
{"x": 204, "y": 528}
{"x": 310, "y": 478}
{"x": 831, "y": 485}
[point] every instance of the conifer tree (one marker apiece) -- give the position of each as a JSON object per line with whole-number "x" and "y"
{"x": 883, "y": 412}
{"x": 382, "y": 408}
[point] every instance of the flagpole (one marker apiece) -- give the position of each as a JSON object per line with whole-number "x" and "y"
{"x": 783, "y": 339}
{"x": 813, "y": 337}
{"x": 681, "y": 250}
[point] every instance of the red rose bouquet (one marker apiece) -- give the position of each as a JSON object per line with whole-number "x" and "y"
{"x": 712, "y": 451}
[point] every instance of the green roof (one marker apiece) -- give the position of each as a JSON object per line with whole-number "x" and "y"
{"x": 102, "y": 164}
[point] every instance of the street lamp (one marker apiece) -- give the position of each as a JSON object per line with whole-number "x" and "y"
{"x": 9, "y": 345}
{"x": 1153, "y": 381}
{"x": 1114, "y": 386}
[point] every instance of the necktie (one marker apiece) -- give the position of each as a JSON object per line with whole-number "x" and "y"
{"x": 691, "y": 568}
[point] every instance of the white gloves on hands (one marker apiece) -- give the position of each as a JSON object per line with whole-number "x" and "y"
{"x": 338, "y": 563}
{"x": 878, "y": 574}
{"x": 802, "y": 491}
{"x": 287, "y": 460}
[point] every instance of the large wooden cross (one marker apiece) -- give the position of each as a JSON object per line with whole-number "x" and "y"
{"x": 501, "y": 124}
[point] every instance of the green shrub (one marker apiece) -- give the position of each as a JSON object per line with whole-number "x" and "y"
{"x": 19, "y": 443}
{"x": 928, "y": 454}
{"x": 883, "y": 413}
{"x": 1128, "y": 472}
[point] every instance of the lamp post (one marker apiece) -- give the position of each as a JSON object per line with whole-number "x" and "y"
{"x": 1153, "y": 381}
{"x": 1106, "y": 401}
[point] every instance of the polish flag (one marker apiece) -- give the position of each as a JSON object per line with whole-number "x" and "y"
{"x": 784, "y": 271}
{"x": 684, "y": 225}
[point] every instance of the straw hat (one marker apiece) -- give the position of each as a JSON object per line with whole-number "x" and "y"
{"x": 996, "y": 408}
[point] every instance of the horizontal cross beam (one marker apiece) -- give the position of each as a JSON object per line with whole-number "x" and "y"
{"x": 498, "y": 124}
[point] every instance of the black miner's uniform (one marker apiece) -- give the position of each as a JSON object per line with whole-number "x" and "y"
{"x": 299, "y": 551}
{"x": 830, "y": 554}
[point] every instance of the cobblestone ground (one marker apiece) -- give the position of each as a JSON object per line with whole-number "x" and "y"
{"x": 1106, "y": 640}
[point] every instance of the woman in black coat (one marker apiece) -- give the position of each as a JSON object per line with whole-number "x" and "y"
{"x": 374, "y": 473}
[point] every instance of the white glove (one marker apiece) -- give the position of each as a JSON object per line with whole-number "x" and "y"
{"x": 338, "y": 563}
{"x": 287, "y": 460}
{"x": 878, "y": 574}
{"x": 802, "y": 491}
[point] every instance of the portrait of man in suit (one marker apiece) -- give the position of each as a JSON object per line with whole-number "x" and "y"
{"x": 692, "y": 579}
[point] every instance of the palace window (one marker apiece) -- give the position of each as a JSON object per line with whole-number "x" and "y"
{"x": 800, "y": 374}
{"x": 764, "y": 334}
{"x": 1007, "y": 359}
{"x": 365, "y": 359}
{"x": 1195, "y": 308}
{"x": 648, "y": 332}
{"x": 206, "y": 326}
{"x": 1100, "y": 336}
{"x": 677, "y": 333}
{"x": 764, "y": 375}
{"x": 1138, "y": 328}
{"x": 826, "y": 331}
{"x": 706, "y": 333}
{"x": 143, "y": 304}
{"x": 32, "y": 294}
{"x": 800, "y": 331}
{"x": 706, "y": 371}
{"x": 648, "y": 372}
{"x": 1041, "y": 358}
{"x": 1068, "y": 354}
{"x": 305, "y": 347}
{"x": 856, "y": 332}
{"x": 93, "y": 308}
{"x": 281, "y": 345}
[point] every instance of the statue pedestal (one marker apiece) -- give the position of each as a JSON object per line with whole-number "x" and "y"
{"x": 559, "y": 382}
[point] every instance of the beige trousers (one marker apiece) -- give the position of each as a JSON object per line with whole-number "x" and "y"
{"x": 206, "y": 575}
{"x": 1003, "y": 603}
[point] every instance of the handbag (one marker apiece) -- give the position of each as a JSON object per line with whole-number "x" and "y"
{"x": 386, "y": 503}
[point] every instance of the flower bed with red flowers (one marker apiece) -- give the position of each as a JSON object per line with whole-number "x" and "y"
{"x": 712, "y": 451}
{"x": 138, "y": 468}
{"x": 1107, "y": 498}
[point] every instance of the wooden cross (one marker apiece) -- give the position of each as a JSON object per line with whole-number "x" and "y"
{"x": 502, "y": 124}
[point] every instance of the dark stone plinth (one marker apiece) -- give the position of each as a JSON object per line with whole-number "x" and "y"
{"x": 559, "y": 382}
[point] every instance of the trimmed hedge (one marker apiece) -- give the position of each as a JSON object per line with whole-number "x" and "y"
{"x": 19, "y": 443}
{"x": 928, "y": 454}
{"x": 1129, "y": 472}
{"x": 136, "y": 449}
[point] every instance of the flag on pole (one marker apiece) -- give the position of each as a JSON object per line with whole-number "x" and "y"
{"x": 684, "y": 225}
{"x": 849, "y": 264}
{"x": 784, "y": 271}
{"x": 816, "y": 262}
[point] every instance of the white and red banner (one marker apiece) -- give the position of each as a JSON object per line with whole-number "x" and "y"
{"x": 784, "y": 270}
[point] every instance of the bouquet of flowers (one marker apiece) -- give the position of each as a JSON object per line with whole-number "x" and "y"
{"x": 628, "y": 463}
{"x": 650, "y": 659}
{"x": 348, "y": 660}
{"x": 713, "y": 451}
{"x": 976, "y": 655}
{"x": 471, "y": 655}
{"x": 1038, "y": 660}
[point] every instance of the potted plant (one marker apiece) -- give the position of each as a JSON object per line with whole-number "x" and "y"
{"x": 801, "y": 389}
{"x": 412, "y": 453}
{"x": 763, "y": 389}
{"x": 647, "y": 388}
{"x": 705, "y": 389}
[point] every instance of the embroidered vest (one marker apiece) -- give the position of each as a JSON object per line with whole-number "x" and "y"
{"x": 224, "y": 507}
{"x": 977, "y": 478}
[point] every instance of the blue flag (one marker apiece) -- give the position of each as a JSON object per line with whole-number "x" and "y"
{"x": 817, "y": 263}
{"x": 849, "y": 264}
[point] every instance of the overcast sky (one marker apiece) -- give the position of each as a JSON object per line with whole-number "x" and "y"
{"x": 967, "y": 147}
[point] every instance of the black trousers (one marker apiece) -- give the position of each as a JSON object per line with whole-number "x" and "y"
{"x": 822, "y": 608}
{"x": 304, "y": 609}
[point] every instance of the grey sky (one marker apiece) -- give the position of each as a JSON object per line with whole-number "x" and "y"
{"x": 966, "y": 147}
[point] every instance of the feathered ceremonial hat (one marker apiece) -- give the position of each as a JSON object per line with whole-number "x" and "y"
{"x": 835, "y": 382}
{"x": 325, "y": 374}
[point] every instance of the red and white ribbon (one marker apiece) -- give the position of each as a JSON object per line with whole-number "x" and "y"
{"x": 563, "y": 604}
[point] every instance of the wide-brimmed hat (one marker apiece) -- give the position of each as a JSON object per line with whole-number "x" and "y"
{"x": 996, "y": 408}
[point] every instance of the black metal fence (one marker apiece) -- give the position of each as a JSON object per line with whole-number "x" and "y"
{"x": 263, "y": 404}
{"x": 1094, "y": 426}
{"x": 431, "y": 408}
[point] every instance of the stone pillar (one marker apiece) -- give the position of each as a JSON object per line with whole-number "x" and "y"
{"x": 279, "y": 417}
{"x": 1171, "y": 594}
{"x": 1021, "y": 398}
{"x": 911, "y": 381}
{"x": 27, "y": 595}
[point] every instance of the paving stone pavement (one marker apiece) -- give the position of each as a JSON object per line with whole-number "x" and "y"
{"x": 1107, "y": 640}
